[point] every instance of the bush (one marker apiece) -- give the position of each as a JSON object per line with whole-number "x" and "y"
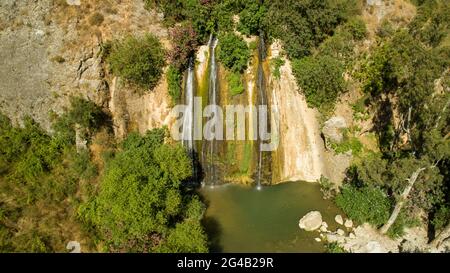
{"x": 334, "y": 248}
{"x": 250, "y": 18}
{"x": 139, "y": 60}
{"x": 303, "y": 24}
{"x": 277, "y": 63}
{"x": 320, "y": 78}
{"x": 141, "y": 205}
{"x": 367, "y": 204}
{"x": 357, "y": 28}
{"x": 184, "y": 42}
{"x": 441, "y": 217}
{"x": 174, "y": 79}
{"x": 235, "y": 84}
{"x": 233, "y": 52}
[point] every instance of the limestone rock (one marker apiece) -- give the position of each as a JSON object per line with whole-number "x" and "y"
{"x": 373, "y": 247}
{"x": 311, "y": 221}
{"x": 332, "y": 129}
{"x": 340, "y": 232}
{"x": 318, "y": 240}
{"x": 339, "y": 219}
{"x": 348, "y": 223}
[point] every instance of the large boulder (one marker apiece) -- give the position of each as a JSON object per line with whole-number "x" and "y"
{"x": 332, "y": 129}
{"x": 311, "y": 221}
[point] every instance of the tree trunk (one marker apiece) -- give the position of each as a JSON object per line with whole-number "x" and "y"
{"x": 441, "y": 237}
{"x": 402, "y": 201}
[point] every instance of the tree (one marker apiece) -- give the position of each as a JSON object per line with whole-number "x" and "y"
{"x": 141, "y": 202}
{"x": 233, "y": 52}
{"x": 320, "y": 78}
{"x": 139, "y": 60}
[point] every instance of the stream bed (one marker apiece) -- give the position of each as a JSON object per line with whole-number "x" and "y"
{"x": 244, "y": 219}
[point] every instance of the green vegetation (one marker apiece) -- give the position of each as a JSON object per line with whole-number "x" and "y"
{"x": 233, "y": 52}
{"x": 349, "y": 143}
{"x": 320, "y": 79}
{"x": 235, "y": 83}
{"x": 277, "y": 63}
{"x": 50, "y": 192}
{"x": 334, "y": 248}
{"x": 303, "y": 25}
{"x": 184, "y": 41}
{"x": 366, "y": 204}
{"x": 42, "y": 180}
{"x": 174, "y": 79}
{"x": 251, "y": 17}
{"x": 399, "y": 78}
{"x": 151, "y": 211}
{"x": 140, "y": 60}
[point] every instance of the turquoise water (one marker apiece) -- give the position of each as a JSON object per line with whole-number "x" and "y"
{"x": 244, "y": 219}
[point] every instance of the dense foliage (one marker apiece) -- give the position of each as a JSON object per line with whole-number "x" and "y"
{"x": 41, "y": 182}
{"x": 320, "y": 79}
{"x": 139, "y": 60}
{"x": 303, "y": 25}
{"x": 174, "y": 79}
{"x": 184, "y": 41}
{"x": 406, "y": 83}
{"x": 141, "y": 205}
{"x": 233, "y": 52}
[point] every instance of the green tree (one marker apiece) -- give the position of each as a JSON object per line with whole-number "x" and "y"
{"x": 233, "y": 52}
{"x": 139, "y": 60}
{"x": 320, "y": 78}
{"x": 140, "y": 203}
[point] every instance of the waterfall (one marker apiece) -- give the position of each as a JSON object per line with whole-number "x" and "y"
{"x": 262, "y": 101}
{"x": 188, "y": 121}
{"x": 210, "y": 147}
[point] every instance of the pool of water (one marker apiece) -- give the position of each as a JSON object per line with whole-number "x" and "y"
{"x": 244, "y": 219}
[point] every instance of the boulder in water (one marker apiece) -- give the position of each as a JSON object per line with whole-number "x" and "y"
{"x": 348, "y": 223}
{"x": 339, "y": 219}
{"x": 311, "y": 221}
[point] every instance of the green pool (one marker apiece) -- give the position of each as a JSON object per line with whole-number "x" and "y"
{"x": 244, "y": 219}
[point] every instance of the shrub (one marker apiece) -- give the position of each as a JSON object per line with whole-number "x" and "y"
{"x": 139, "y": 60}
{"x": 250, "y": 18}
{"x": 357, "y": 28}
{"x": 320, "y": 79}
{"x": 327, "y": 188}
{"x": 184, "y": 41}
{"x": 233, "y": 52}
{"x": 441, "y": 217}
{"x": 96, "y": 19}
{"x": 174, "y": 79}
{"x": 367, "y": 204}
{"x": 334, "y": 248}
{"x": 303, "y": 24}
{"x": 235, "y": 83}
{"x": 277, "y": 63}
{"x": 350, "y": 143}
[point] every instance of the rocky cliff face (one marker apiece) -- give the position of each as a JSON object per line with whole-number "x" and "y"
{"x": 300, "y": 155}
{"x": 49, "y": 50}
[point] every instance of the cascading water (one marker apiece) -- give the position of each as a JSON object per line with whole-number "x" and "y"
{"x": 188, "y": 122}
{"x": 209, "y": 150}
{"x": 262, "y": 101}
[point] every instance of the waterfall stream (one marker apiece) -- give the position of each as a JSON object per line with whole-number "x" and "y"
{"x": 210, "y": 147}
{"x": 188, "y": 122}
{"x": 262, "y": 102}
